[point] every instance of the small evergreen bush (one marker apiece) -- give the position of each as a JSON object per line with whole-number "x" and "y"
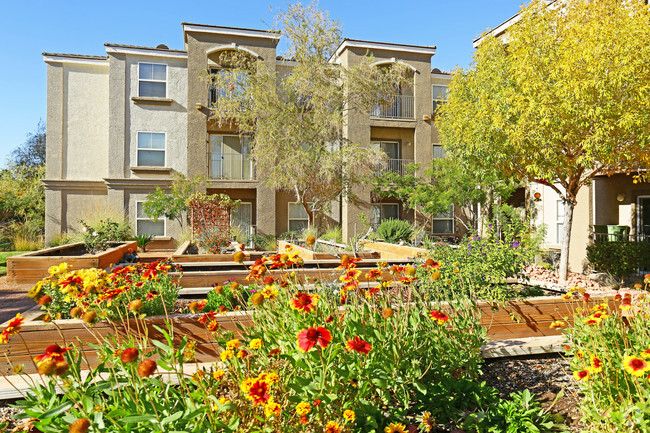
{"x": 395, "y": 230}
{"x": 619, "y": 258}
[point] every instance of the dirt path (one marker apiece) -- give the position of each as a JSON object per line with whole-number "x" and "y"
{"x": 13, "y": 299}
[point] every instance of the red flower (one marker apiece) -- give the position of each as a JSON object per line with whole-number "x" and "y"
{"x": 54, "y": 352}
{"x": 258, "y": 392}
{"x": 439, "y": 316}
{"x": 358, "y": 345}
{"x": 13, "y": 327}
{"x": 151, "y": 295}
{"x": 373, "y": 274}
{"x": 303, "y": 301}
{"x": 431, "y": 264}
{"x": 151, "y": 272}
{"x": 308, "y": 338}
{"x": 213, "y": 326}
{"x": 210, "y": 315}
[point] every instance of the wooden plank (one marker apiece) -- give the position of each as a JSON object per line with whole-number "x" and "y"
{"x": 523, "y": 346}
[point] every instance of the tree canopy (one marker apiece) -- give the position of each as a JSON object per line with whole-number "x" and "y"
{"x": 562, "y": 97}
{"x": 296, "y": 120}
{"x": 32, "y": 152}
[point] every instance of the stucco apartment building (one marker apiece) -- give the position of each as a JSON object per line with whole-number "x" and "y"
{"x": 121, "y": 124}
{"x": 605, "y": 202}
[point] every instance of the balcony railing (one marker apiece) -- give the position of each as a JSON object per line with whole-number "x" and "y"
{"x": 216, "y": 92}
{"x": 231, "y": 166}
{"x": 395, "y": 166}
{"x": 396, "y": 107}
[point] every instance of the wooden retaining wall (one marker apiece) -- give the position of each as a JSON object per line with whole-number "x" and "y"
{"x": 515, "y": 319}
{"x": 392, "y": 251}
{"x": 31, "y": 267}
{"x": 180, "y": 256}
{"x": 308, "y": 254}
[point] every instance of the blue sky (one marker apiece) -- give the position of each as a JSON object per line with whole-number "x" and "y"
{"x": 69, "y": 26}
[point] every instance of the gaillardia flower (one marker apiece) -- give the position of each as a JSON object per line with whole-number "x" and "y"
{"x": 304, "y": 302}
{"x": 635, "y": 366}
{"x": 308, "y": 338}
{"x": 358, "y": 345}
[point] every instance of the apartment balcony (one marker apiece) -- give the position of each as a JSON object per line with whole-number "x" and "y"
{"x": 231, "y": 166}
{"x": 219, "y": 92}
{"x": 396, "y": 107}
{"x": 395, "y": 166}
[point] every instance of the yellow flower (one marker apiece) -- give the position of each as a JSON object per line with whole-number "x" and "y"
{"x": 223, "y": 400}
{"x": 233, "y": 344}
{"x": 635, "y": 366}
{"x": 219, "y": 374}
{"x": 246, "y": 384}
{"x": 255, "y": 344}
{"x": 303, "y": 408}
{"x": 395, "y": 428}
{"x": 349, "y": 415}
{"x": 272, "y": 409}
{"x": 226, "y": 355}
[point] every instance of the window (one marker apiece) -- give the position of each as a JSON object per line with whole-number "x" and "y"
{"x": 242, "y": 217}
{"x": 438, "y": 151}
{"x": 228, "y": 85}
{"x": 298, "y": 218}
{"x": 382, "y": 212}
{"x": 439, "y": 96}
{"x": 152, "y": 80}
{"x": 146, "y": 225}
{"x": 230, "y": 157}
{"x": 151, "y": 149}
{"x": 559, "y": 220}
{"x": 443, "y": 223}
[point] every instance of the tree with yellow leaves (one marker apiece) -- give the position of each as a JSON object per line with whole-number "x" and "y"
{"x": 562, "y": 97}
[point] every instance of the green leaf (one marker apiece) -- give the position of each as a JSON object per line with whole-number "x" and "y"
{"x": 56, "y": 411}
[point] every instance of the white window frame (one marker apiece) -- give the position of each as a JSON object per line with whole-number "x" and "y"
{"x": 166, "y": 81}
{"x": 137, "y": 148}
{"x": 559, "y": 220}
{"x": 434, "y": 100}
{"x": 289, "y": 219}
{"x": 453, "y": 222}
{"x": 162, "y": 218}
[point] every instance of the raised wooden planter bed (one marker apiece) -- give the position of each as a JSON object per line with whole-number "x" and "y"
{"x": 181, "y": 255}
{"x": 307, "y": 254}
{"x": 31, "y": 267}
{"x": 392, "y": 251}
{"x": 516, "y": 319}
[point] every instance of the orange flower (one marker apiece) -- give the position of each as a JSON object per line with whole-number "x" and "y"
{"x": 350, "y": 276}
{"x": 373, "y": 274}
{"x": 635, "y": 366}
{"x": 581, "y": 375}
{"x": 272, "y": 409}
{"x": 358, "y": 345}
{"x": 333, "y": 427}
{"x": 303, "y": 408}
{"x": 308, "y": 338}
{"x": 349, "y": 415}
{"x": 304, "y": 302}
{"x": 556, "y": 324}
{"x": 213, "y": 326}
{"x": 258, "y": 392}
{"x": 53, "y": 351}
{"x": 439, "y": 316}
{"x": 395, "y": 428}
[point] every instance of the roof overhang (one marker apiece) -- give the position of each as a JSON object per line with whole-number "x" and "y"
{"x": 144, "y": 51}
{"x": 369, "y": 45}
{"x": 231, "y": 31}
{"x": 75, "y": 59}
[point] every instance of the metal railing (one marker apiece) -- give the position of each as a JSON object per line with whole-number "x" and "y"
{"x": 231, "y": 166}
{"x": 395, "y": 166}
{"x": 219, "y": 92}
{"x": 396, "y": 107}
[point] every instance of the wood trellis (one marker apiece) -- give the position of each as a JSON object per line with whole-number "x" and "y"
{"x": 210, "y": 213}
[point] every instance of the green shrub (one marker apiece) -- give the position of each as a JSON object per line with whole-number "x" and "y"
{"x": 143, "y": 240}
{"x": 619, "y": 258}
{"x": 335, "y": 233}
{"x": 265, "y": 242}
{"x": 227, "y": 298}
{"x": 58, "y": 240}
{"x": 392, "y": 230}
{"x": 98, "y": 237}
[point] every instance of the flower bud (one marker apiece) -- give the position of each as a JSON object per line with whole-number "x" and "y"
{"x": 344, "y": 258}
{"x": 218, "y": 290}
{"x": 47, "y": 318}
{"x": 239, "y": 257}
{"x": 387, "y": 313}
{"x": 147, "y": 368}
{"x": 61, "y": 367}
{"x": 135, "y": 305}
{"x": 80, "y": 426}
{"x": 234, "y": 286}
{"x": 46, "y": 366}
{"x": 76, "y": 312}
{"x": 44, "y": 300}
{"x": 129, "y": 354}
{"x": 435, "y": 275}
{"x": 409, "y": 270}
{"x": 257, "y": 299}
{"x": 90, "y": 317}
{"x": 268, "y": 280}
{"x": 310, "y": 240}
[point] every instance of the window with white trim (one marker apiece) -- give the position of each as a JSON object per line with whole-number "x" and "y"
{"x": 298, "y": 217}
{"x": 559, "y": 220}
{"x": 152, "y": 80}
{"x": 439, "y": 95}
{"x": 382, "y": 212}
{"x": 145, "y": 224}
{"x": 151, "y": 149}
{"x": 443, "y": 223}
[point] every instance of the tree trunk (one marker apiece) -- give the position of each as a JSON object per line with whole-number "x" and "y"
{"x": 566, "y": 239}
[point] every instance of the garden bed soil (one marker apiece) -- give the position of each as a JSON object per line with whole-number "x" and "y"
{"x": 187, "y": 252}
{"x": 513, "y": 319}
{"x": 31, "y": 267}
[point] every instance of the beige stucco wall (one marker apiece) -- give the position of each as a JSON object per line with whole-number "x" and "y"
{"x": 78, "y": 204}
{"x": 85, "y": 119}
{"x": 170, "y": 119}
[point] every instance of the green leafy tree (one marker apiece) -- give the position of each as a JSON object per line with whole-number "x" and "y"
{"x": 172, "y": 203}
{"x": 564, "y": 97}
{"x": 296, "y": 120}
{"x": 22, "y": 196}
{"x": 32, "y": 152}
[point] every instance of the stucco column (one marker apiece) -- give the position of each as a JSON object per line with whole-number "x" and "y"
{"x": 117, "y": 116}
{"x": 53, "y": 213}
{"x": 265, "y": 210}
